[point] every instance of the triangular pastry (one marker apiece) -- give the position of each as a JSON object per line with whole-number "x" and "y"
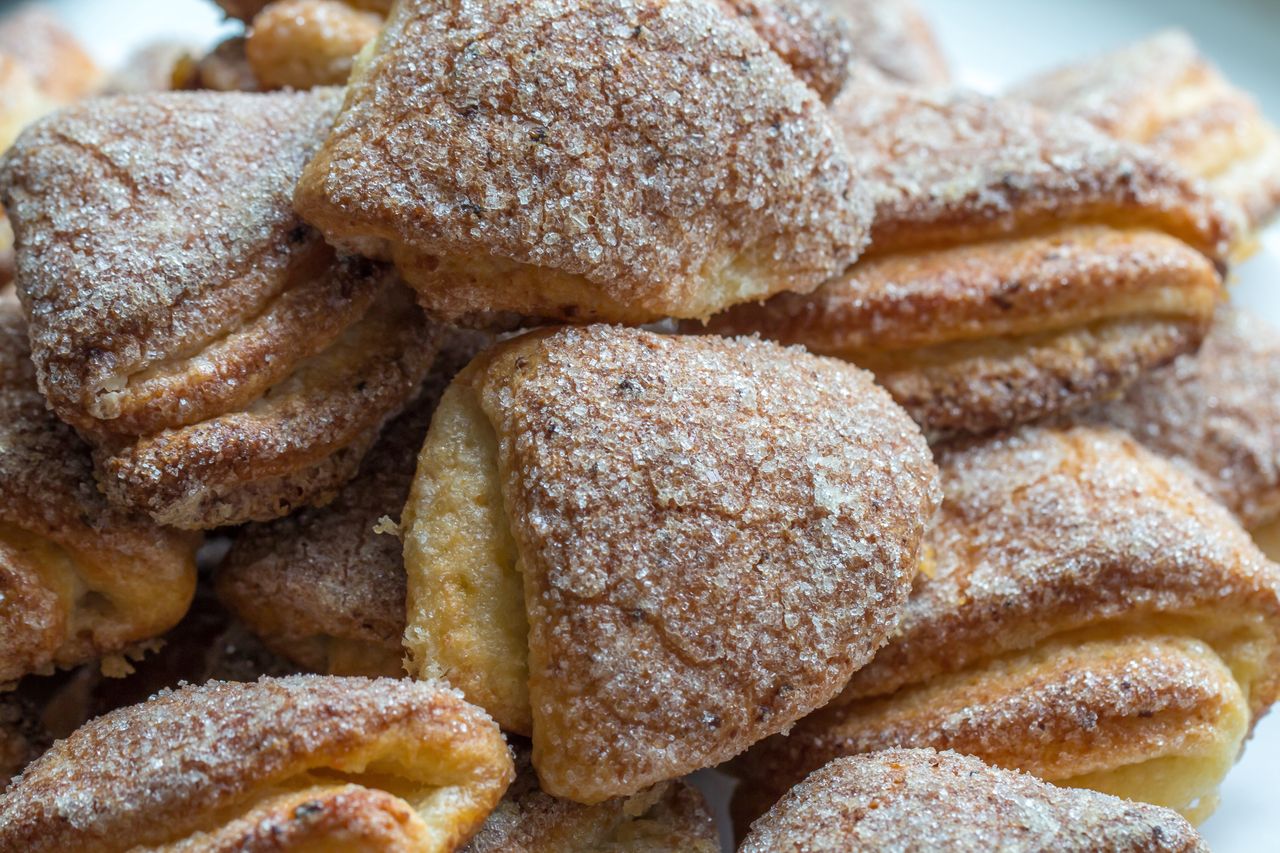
{"x": 623, "y": 161}
{"x": 651, "y": 551}
{"x": 1086, "y": 614}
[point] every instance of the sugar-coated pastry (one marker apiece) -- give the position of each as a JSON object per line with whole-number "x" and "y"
{"x": 62, "y": 69}
{"x": 903, "y": 800}
{"x": 325, "y": 586}
{"x": 297, "y": 763}
{"x": 79, "y": 579}
{"x": 669, "y": 817}
{"x": 304, "y": 43}
{"x": 1162, "y": 92}
{"x": 1020, "y": 264}
{"x": 246, "y": 10}
{"x": 894, "y": 37}
{"x": 816, "y": 43}
{"x": 1086, "y": 614}
{"x": 1216, "y": 414}
{"x": 626, "y": 160}
{"x": 224, "y": 361}
{"x": 651, "y": 551}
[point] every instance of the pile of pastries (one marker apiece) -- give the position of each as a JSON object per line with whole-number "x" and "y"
{"x": 446, "y": 426}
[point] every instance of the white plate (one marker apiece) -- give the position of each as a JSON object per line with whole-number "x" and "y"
{"x": 991, "y": 43}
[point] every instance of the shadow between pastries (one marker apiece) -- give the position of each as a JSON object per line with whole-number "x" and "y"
{"x": 650, "y": 551}
{"x": 1020, "y": 265}
{"x": 296, "y": 763}
{"x": 79, "y": 579}
{"x": 1163, "y": 93}
{"x": 325, "y": 586}
{"x": 621, "y": 161}
{"x": 224, "y": 362}
{"x": 1085, "y": 614}
{"x": 919, "y": 800}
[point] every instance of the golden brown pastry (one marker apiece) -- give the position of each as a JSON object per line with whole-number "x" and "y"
{"x": 636, "y": 160}
{"x": 224, "y": 361}
{"x": 920, "y": 800}
{"x": 298, "y": 763}
{"x": 1020, "y": 264}
{"x": 1162, "y": 92}
{"x": 894, "y": 37}
{"x": 245, "y": 10}
{"x": 1217, "y": 415}
{"x": 670, "y": 817}
{"x": 651, "y": 551}
{"x": 304, "y": 43}
{"x": 816, "y": 43}
{"x": 63, "y": 71}
{"x": 79, "y": 579}
{"x": 1087, "y": 615}
{"x": 325, "y": 586}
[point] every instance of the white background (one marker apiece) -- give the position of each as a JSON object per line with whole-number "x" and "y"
{"x": 990, "y": 43}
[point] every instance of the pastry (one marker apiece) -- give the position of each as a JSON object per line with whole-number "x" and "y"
{"x": 155, "y": 67}
{"x": 325, "y": 587}
{"x": 246, "y": 10}
{"x": 243, "y": 368}
{"x": 1087, "y": 615}
{"x": 650, "y": 551}
{"x": 305, "y": 43}
{"x": 918, "y": 800}
{"x": 1020, "y": 264}
{"x": 22, "y": 738}
{"x": 1163, "y": 93}
{"x": 1217, "y": 415}
{"x": 79, "y": 579}
{"x": 305, "y": 762}
{"x": 62, "y": 69}
{"x": 670, "y": 817}
{"x": 894, "y": 37}
{"x": 602, "y": 168}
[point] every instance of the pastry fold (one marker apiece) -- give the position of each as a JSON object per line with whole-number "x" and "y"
{"x": 651, "y": 551}
{"x": 895, "y": 38}
{"x": 224, "y": 361}
{"x": 920, "y": 799}
{"x": 325, "y": 587}
{"x": 305, "y": 763}
{"x": 670, "y": 817}
{"x": 79, "y": 578}
{"x": 1085, "y": 614}
{"x": 1216, "y": 414}
{"x": 631, "y": 162}
{"x": 1163, "y": 93}
{"x": 1020, "y": 264}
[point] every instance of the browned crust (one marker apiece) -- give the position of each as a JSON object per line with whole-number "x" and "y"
{"x": 304, "y": 43}
{"x": 919, "y": 799}
{"x": 1217, "y": 415}
{"x": 816, "y": 43}
{"x": 712, "y": 533}
{"x": 296, "y": 446}
{"x": 952, "y": 167}
{"x": 1044, "y": 531}
{"x": 246, "y": 9}
{"x": 670, "y": 816}
{"x": 325, "y": 574}
{"x": 189, "y": 760}
{"x": 155, "y": 232}
{"x": 63, "y": 71}
{"x": 674, "y": 211}
{"x": 1163, "y": 93}
{"x": 22, "y": 738}
{"x": 137, "y": 578}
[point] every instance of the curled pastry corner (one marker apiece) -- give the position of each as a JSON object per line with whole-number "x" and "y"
{"x": 304, "y": 760}
{"x": 1162, "y": 92}
{"x": 79, "y": 578}
{"x": 922, "y": 799}
{"x": 1020, "y": 264}
{"x": 650, "y": 551}
{"x": 1090, "y": 617}
{"x": 674, "y": 212}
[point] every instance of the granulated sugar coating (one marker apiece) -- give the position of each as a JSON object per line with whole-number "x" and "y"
{"x": 196, "y": 759}
{"x": 954, "y": 166}
{"x": 1045, "y": 531}
{"x": 625, "y": 160}
{"x": 1217, "y": 415}
{"x": 713, "y": 534}
{"x": 894, "y": 37}
{"x": 921, "y": 800}
{"x": 814, "y": 41}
